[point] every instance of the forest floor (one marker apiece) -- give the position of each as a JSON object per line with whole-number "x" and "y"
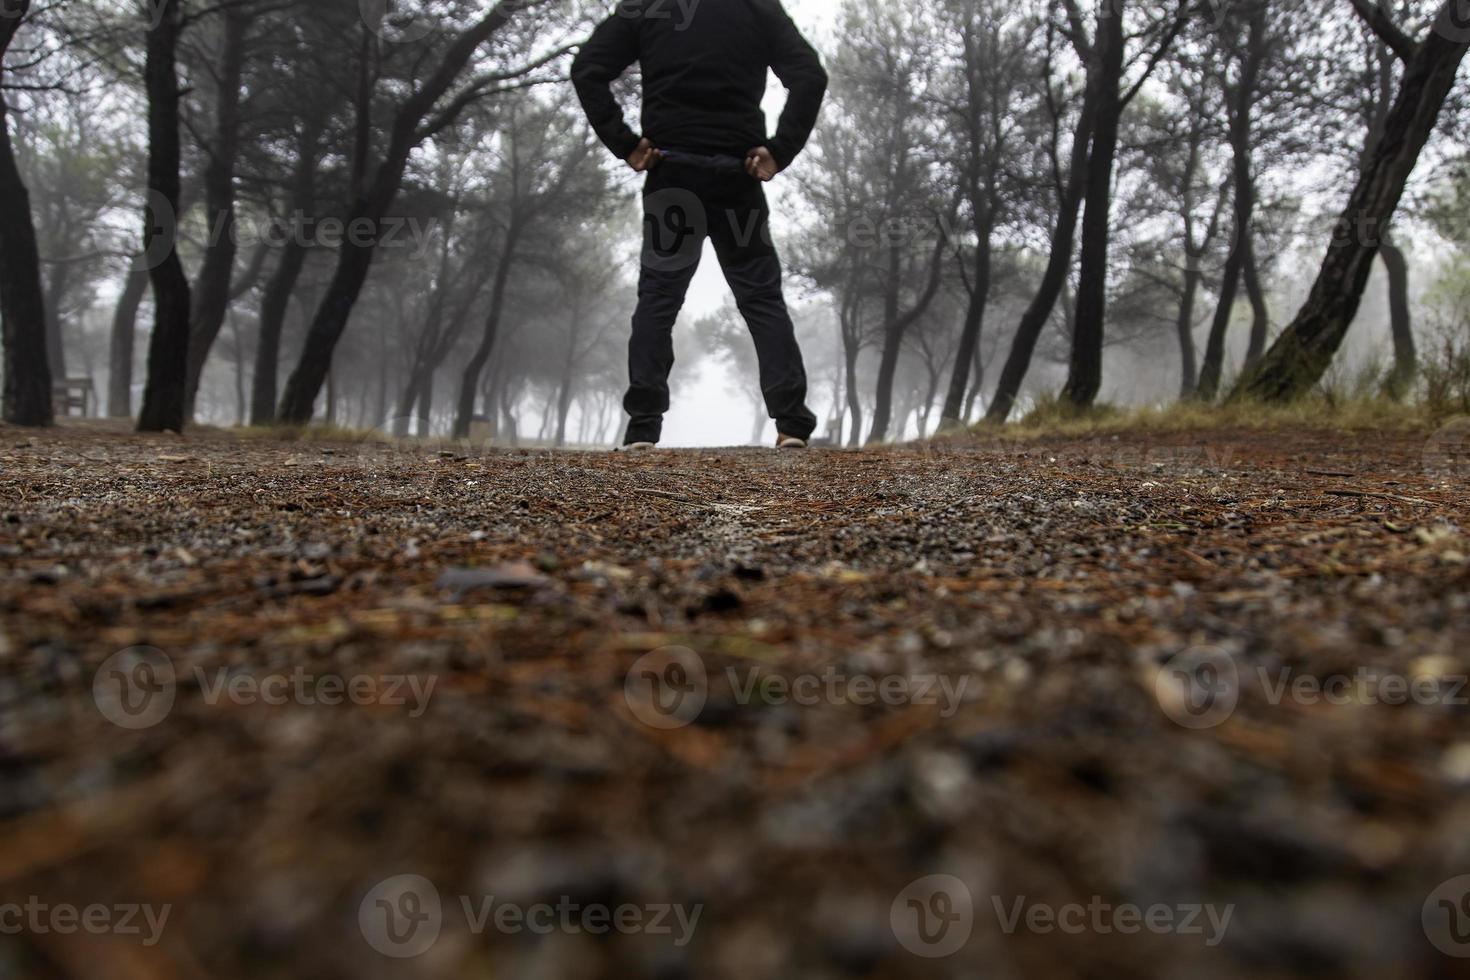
{"x": 1166, "y": 705}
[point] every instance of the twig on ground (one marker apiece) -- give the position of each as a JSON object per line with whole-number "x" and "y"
{"x": 1375, "y": 493}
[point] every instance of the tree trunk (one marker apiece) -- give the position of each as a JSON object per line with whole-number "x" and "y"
{"x": 239, "y": 340}
{"x": 470, "y": 383}
{"x": 977, "y": 385}
{"x": 1260, "y": 314}
{"x": 888, "y": 356}
{"x": 164, "y": 396}
{"x": 1084, "y": 377}
{"x": 1243, "y": 182}
{"x": 507, "y": 411}
{"x": 426, "y": 406}
{"x": 277, "y": 296}
{"x": 563, "y": 408}
{"x": 850, "y": 353}
{"x": 356, "y": 257}
{"x": 1214, "y": 363}
{"x": 407, "y": 399}
{"x": 380, "y": 402}
{"x": 273, "y": 306}
{"x": 1300, "y": 355}
{"x": 435, "y": 340}
{"x": 120, "y": 355}
{"x": 1058, "y": 265}
{"x": 55, "y": 288}
{"x": 1184, "y": 327}
{"x": 931, "y": 395}
{"x": 1405, "y": 358}
{"x": 959, "y": 382}
{"x": 212, "y": 290}
{"x": 27, "y": 392}
{"x": 274, "y": 303}
{"x": 896, "y": 326}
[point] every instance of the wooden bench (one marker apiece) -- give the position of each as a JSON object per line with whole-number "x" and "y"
{"x": 73, "y": 394}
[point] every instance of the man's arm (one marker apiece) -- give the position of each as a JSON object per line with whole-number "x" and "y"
{"x": 602, "y": 60}
{"x": 800, "y": 69}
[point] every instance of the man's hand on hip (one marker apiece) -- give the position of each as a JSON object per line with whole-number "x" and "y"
{"x": 761, "y": 165}
{"x": 646, "y": 157}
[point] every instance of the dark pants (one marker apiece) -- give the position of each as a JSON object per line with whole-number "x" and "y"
{"x": 686, "y": 200}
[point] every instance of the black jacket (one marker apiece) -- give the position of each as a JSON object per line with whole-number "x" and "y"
{"x": 704, "y": 75}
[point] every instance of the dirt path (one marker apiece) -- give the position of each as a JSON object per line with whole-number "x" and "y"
{"x": 752, "y": 701}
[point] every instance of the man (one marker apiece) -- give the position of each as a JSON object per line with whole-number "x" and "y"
{"x": 705, "y": 151}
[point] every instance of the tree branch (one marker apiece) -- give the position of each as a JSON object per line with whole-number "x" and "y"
{"x": 482, "y": 87}
{"x": 1153, "y": 62}
{"x": 1388, "y": 32}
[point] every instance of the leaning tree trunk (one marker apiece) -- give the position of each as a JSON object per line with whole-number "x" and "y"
{"x": 1084, "y": 378}
{"x": 1260, "y": 314}
{"x": 356, "y": 257}
{"x": 120, "y": 350}
{"x": 1405, "y": 357}
{"x": 976, "y": 385}
{"x": 273, "y": 306}
{"x": 212, "y": 290}
{"x": 959, "y": 382}
{"x": 277, "y": 295}
{"x": 470, "y": 383}
{"x": 27, "y": 393}
{"x": 1300, "y": 355}
{"x": 164, "y": 396}
{"x": 1243, "y": 183}
{"x": 1034, "y": 320}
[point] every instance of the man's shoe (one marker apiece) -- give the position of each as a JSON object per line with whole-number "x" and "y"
{"x": 637, "y": 447}
{"x": 789, "y": 442}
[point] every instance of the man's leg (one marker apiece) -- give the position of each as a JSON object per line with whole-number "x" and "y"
{"x": 741, "y": 233}
{"x": 673, "y": 236}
